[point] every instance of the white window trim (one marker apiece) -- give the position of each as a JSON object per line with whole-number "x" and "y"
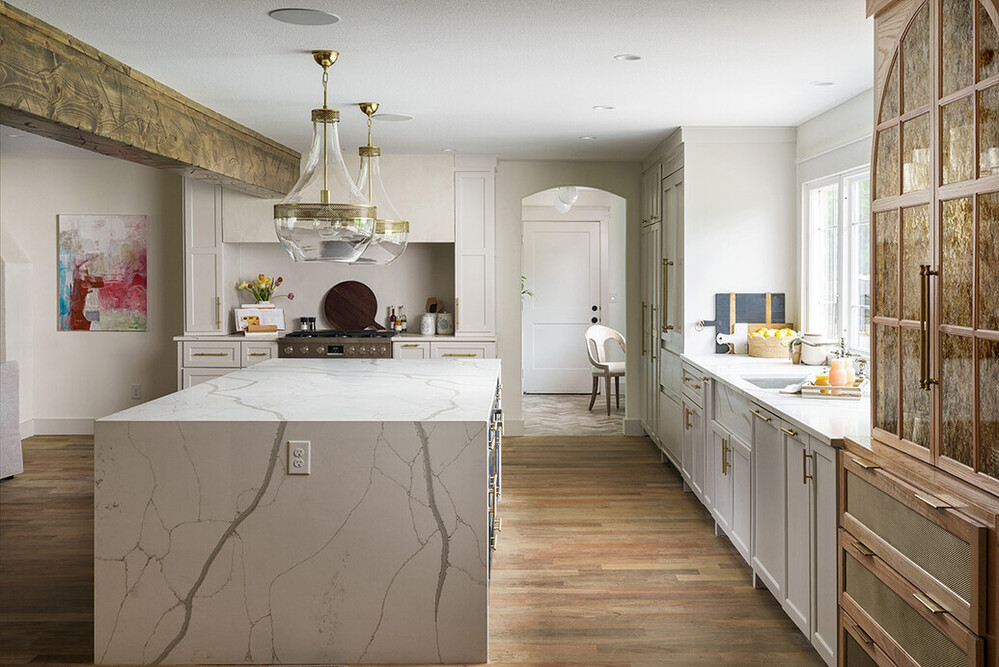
{"x": 841, "y": 179}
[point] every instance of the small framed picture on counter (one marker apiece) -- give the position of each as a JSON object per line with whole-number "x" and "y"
{"x": 259, "y": 317}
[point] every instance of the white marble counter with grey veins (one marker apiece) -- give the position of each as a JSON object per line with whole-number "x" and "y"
{"x": 208, "y": 552}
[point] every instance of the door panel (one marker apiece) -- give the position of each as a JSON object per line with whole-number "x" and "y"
{"x": 797, "y": 600}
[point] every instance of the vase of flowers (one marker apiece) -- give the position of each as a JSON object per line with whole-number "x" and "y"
{"x": 263, "y": 289}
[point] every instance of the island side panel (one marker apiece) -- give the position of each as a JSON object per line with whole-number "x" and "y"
{"x": 207, "y": 551}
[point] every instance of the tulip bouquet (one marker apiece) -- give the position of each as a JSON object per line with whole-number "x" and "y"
{"x": 263, "y": 288}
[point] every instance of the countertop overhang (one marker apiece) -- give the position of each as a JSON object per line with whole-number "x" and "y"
{"x": 334, "y": 390}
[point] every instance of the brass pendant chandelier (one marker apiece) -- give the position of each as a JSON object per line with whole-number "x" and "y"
{"x": 325, "y": 217}
{"x": 391, "y": 231}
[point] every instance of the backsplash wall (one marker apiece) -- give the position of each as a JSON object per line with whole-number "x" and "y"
{"x": 424, "y": 270}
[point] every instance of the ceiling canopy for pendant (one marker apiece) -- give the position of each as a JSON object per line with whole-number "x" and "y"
{"x": 391, "y": 231}
{"x": 325, "y": 217}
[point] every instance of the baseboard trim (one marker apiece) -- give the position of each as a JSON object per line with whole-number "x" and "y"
{"x": 633, "y": 427}
{"x": 63, "y": 427}
{"x": 513, "y": 427}
{"x": 27, "y": 428}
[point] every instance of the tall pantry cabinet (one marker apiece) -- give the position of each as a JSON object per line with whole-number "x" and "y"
{"x": 919, "y": 501}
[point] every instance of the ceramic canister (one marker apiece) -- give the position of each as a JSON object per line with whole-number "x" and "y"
{"x": 445, "y": 323}
{"x": 428, "y": 324}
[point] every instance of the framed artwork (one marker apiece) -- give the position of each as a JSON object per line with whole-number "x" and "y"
{"x": 259, "y": 316}
{"x": 102, "y": 272}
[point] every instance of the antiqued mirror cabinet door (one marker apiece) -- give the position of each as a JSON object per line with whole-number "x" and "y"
{"x": 936, "y": 240}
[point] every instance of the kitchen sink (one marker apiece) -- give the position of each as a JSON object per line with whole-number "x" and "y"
{"x": 773, "y": 381}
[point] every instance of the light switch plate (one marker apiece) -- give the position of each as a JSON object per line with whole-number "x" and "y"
{"x": 299, "y": 457}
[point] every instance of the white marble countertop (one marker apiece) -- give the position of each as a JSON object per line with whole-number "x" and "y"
{"x": 334, "y": 390}
{"x": 829, "y": 419}
{"x": 407, "y": 337}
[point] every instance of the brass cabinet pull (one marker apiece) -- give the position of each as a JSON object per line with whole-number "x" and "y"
{"x": 864, "y": 637}
{"x": 925, "y": 272}
{"x": 499, "y": 525}
{"x": 687, "y": 419}
{"x": 705, "y": 378}
{"x": 695, "y": 386}
{"x": 866, "y": 465}
{"x": 459, "y": 354}
{"x": 761, "y": 415}
{"x": 726, "y": 463}
{"x": 258, "y": 354}
{"x": 862, "y": 548}
{"x": 686, "y": 378}
{"x": 211, "y": 354}
{"x": 935, "y": 503}
{"x": 643, "y": 325}
{"x": 790, "y": 432}
{"x": 666, "y": 325}
{"x": 652, "y": 339}
{"x": 218, "y": 312}
{"x": 410, "y": 344}
{"x": 804, "y": 466}
{"x": 928, "y": 603}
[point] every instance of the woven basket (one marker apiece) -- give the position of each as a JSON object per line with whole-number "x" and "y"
{"x": 769, "y": 348}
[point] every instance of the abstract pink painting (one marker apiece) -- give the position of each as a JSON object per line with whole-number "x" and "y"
{"x": 102, "y": 273}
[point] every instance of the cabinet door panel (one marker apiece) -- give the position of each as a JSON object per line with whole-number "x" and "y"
{"x": 718, "y": 470}
{"x": 670, "y": 427}
{"x": 411, "y": 350}
{"x": 769, "y": 509}
{"x": 740, "y": 456}
{"x": 797, "y": 600}
{"x": 823, "y": 471}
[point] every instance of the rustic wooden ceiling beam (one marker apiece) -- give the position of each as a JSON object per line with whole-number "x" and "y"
{"x": 54, "y": 85}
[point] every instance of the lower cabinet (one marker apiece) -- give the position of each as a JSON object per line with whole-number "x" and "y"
{"x": 729, "y": 461}
{"x": 670, "y": 427}
{"x": 469, "y": 350}
{"x": 402, "y": 350}
{"x": 769, "y": 503}
{"x": 203, "y": 360}
{"x": 692, "y": 460}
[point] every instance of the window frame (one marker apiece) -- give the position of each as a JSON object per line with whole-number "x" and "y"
{"x": 842, "y": 180}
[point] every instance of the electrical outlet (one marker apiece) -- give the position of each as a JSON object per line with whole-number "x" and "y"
{"x": 299, "y": 457}
{"x": 136, "y": 392}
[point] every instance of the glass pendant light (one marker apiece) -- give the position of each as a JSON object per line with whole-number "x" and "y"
{"x": 391, "y": 231}
{"x": 325, "y": 217}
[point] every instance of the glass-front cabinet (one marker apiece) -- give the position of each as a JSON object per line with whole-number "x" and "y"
{"x": 935, "y": 210}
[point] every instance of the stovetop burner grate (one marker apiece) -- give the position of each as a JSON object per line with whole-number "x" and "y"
{"x": 335, "y": 333}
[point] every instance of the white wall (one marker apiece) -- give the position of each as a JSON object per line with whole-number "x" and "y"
{"x": 516, "y": 180}
{"x": 739, "y": 221}
{"x": 424, "y": 270}
{"x": 79, "y": 376}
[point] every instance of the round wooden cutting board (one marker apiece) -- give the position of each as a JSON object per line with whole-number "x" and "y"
{"x": 351, "y": 305}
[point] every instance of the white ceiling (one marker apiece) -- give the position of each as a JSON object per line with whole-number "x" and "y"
{"x": 515, "y": 78}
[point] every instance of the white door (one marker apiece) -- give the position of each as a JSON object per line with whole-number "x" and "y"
{"x": 564, "y": 264}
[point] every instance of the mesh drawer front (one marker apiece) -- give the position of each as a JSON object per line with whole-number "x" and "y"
{"x": 855, "y": 655}
{"x": 942, "y": 554}
{"x": 917, "y": 636}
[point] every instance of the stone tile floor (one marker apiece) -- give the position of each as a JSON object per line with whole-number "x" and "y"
{"x": 566, "y": 414}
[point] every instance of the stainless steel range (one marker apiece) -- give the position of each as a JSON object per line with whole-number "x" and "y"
{"x": 331, "y": 343}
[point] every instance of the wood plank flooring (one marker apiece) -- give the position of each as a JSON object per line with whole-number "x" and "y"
{"x": 603, "y": 560}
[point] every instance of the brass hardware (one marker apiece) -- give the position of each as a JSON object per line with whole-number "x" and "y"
{"x": 218, "y": 312}
{"x": 804, "y": 467}
{"x": 935, "y": 503}
{"x": 705, "y": 378}
{"x": 761, "y": 415}
{"x": 645, "y": 221}
{"x": 369, "y": 108}
{"x": 325, "y": 57}
{"x": 726, "y": 464}
{"x": 695, "y": 386}
{"x": 499, "y": 525}
{"x": 652, "y": 340}
{"x": 643, "y": 325}
{"x": 258, "y": 354}
{"x": 864, "y": 637}
{"x": 686, "y": 378}
{"x": 790, "y": 432}
{"x": 866, "y": 465}
{"x": 925, "y": 272}
{"x": 211, "y": 354}
{"x": 410, "y": 344}
{"x": 461, "y": 354}
{"x": 490, "y": 510}
{"x": 862, "y": 548}
{"x": 687, "y": 419}
{"x": 457, "y": 314}
{"x": 928, "y": 603}
{"x": 666, "y": 326}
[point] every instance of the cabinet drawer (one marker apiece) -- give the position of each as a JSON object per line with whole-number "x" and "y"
{"x": 223, "y": 354}
{"x": 859, "y": 649}
{"x": 695, "y": 384}
{"x": 402, "y": 350}
{"x": 902, "y": 621}
{"x": 194, "y": 376}
{"x": 938, "y": 549}
{"x": 463, "y": 350}
{"x": 254, "y": 353}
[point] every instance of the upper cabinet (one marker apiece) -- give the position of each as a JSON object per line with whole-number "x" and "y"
{"x": 651, "y": 203}
{"x": 936, "y": 235}
{"x": 475, "y": 253}
{"x": 204, "y": 309}
{"x": 420, "y": 186}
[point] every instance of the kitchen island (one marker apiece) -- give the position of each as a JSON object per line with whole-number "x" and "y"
{"x": 299, "y": 511}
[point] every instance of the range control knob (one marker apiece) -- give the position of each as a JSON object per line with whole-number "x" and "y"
{"x": 304, "y": 349}
{"x": 350, "y": 349}
{"x": 288, "y": 349}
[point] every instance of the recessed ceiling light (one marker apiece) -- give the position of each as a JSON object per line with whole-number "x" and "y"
{"x": 587, "y": 138}
{"x": 601, "y": 107}
{"x": 449, "y": 150}
{"x": 627, "y": 56}
{"x": 393, "y": 116}
{"x": 821, "y": 83}
{"x": 303, "y": 16}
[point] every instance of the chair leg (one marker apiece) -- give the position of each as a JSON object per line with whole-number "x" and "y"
{"x": 607, "y": 389}
{"x": 593, "y": 394}
{"x": 617, "y": 390}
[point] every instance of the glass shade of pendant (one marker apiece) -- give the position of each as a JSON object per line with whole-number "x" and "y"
{"x": 568, "y": 195}
{"x": 561, "y": 206}
{"x": 325, "y": 217}
{"x": 391, "y": 231}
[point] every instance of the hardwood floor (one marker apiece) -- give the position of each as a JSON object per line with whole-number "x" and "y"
{"x": 603, "y": 560}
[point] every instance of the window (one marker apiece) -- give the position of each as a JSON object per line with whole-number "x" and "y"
{"x": 838, "y": 257}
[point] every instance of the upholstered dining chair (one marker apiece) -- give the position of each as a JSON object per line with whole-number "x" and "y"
{"x": 596, "y": 349}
